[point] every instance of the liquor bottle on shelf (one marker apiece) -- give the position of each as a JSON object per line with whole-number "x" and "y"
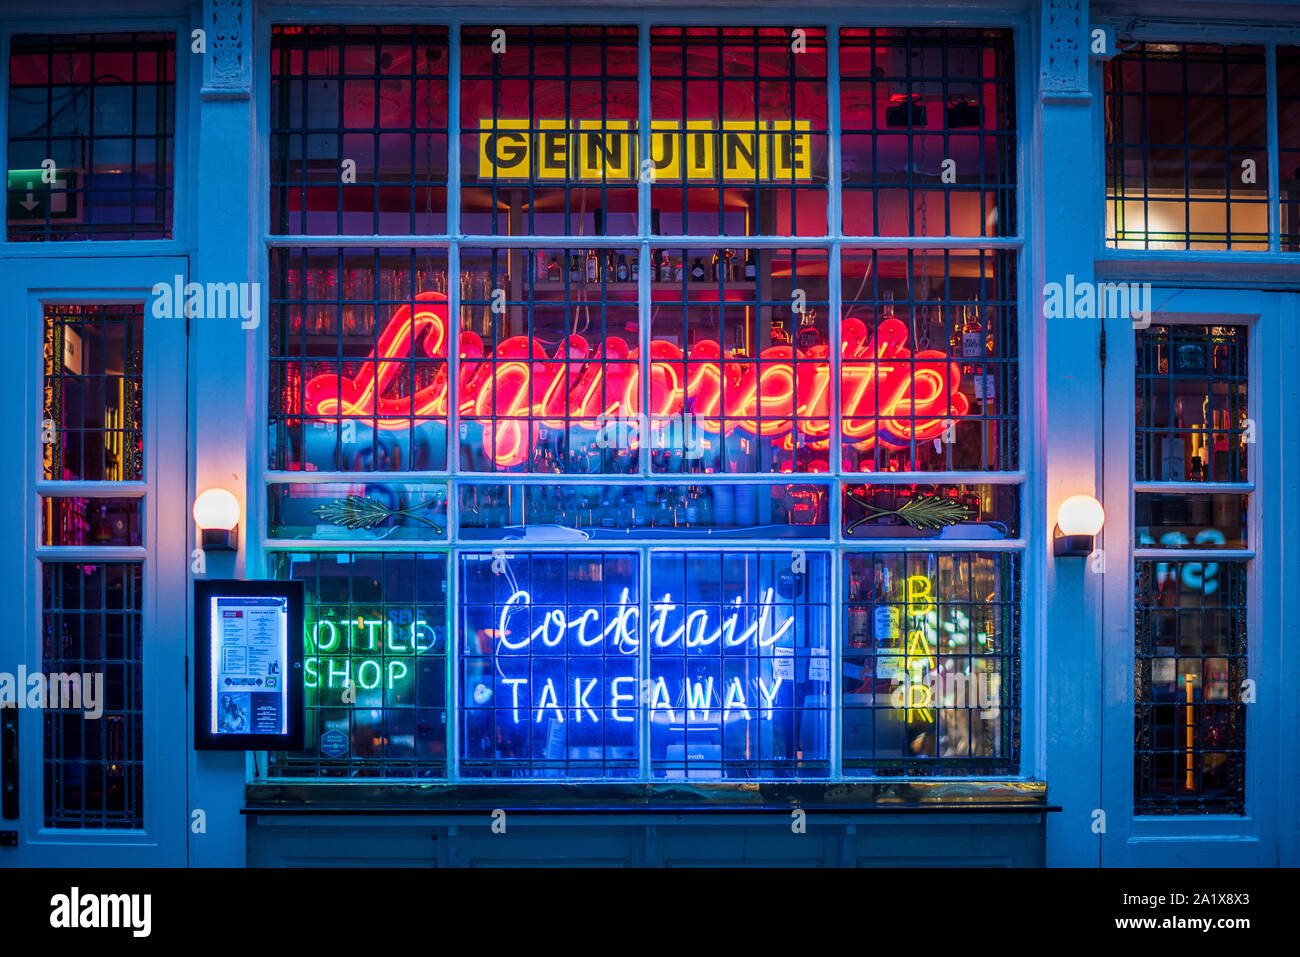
{"x": 738, "y": 350}
{"x": 887, "y": 305}
{"x": 543, "y": 270}
{"x": 679, "y": 269}
{"x": 664, "y": 511}
{"x": 553, "y": 270}
{"x": 575, "y": 268}
{"x": 665, "y": 267}
{"x": 704, "y": 511}
{"x": 751, "y": 267}
{"x": 972, "y": 334}
{"x": 954, "y": 337}
{"x": 715, "y": 267}
{"x": 634, "y": 275}
{"x": 593, "y": 265}
{"x": 697, "y": 270}
{"x": 621, "y": 270}
{"x": 780, "y": 335}
{"x": 692, "y": 505}
{"x": 809, "y": 335}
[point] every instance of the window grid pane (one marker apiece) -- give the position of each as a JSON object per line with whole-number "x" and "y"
{"x": 91, "y": 628}
{"x": 102, "y": 108}
{"x": 928, "y": 132}
{"x": 359, "y": 130}
{"x": 548, "y": 131}
{"x": 739, "y": 133}
{"x": 931, "y": 676}
{"x": 375, "y": 663}
{"x": 1191, "y": 413}
{"x": 1191, "y": 649}
{"x": 549, "y": 665}
{"x": 93, "y": 392}
{"x": 1186, "y": 148}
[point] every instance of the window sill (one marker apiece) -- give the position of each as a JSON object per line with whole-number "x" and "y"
{"x": 982, "y": 796}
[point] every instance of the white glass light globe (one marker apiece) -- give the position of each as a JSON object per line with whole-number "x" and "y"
{"x": 216, "y": 508}
{"x": 1080, "y": 515}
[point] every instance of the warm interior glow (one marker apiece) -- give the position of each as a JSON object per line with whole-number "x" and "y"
{"x": 1080, "y": 515}
{"x": 216, "y": 508}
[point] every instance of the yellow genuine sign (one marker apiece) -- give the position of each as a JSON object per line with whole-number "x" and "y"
{"x": 587, "y": 150}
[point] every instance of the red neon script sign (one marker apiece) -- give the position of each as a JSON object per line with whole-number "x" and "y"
{"x": 889, "y": 394}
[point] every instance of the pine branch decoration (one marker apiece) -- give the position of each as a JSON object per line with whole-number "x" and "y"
{"x": 363, "y": 512}
{"x": 920, "y": 511}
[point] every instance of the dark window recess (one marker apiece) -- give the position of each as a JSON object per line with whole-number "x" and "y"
{"x": 358, "y": 132}
{"x": 1190, "y": 722}
{"x": 1187, "y": 147}
{"x": 101, "y": 108}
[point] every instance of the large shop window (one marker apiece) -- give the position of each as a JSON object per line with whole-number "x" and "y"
{"x": 643, "y": 471}
{"x": 101, "y": 108}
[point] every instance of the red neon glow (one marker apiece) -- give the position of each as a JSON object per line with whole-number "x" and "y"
{"x": 889, "y": 394}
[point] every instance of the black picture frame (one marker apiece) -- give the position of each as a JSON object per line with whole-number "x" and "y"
{"x": 292, "y": 689}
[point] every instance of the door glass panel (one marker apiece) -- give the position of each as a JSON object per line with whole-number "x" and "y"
{"x": 1190, "y": 628}
{"x": 92, "y": 663}
{"x": 93, "y": 426}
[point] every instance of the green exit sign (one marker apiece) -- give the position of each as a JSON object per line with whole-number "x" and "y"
{"x": 30, "y": 198}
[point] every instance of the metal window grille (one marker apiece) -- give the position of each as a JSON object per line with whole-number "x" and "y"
{"x": 549, "y": 665}
{"x": 330, "y": 310}
{"x": 375, "y": 665}
{"x": 550, "y": 89}
{"x": 740, "y": 666}
{"x": 928, "y": 132}
{"x": 732, "y": 92}
{"x": 524, "y": 232}
{"x": 931, "y": 647}
{"x": 1191, "y": 404}
{"x": 1191, "y": 660}
{"x": 358, "y": 131}
{"x": 91, "y": 626}
{"x": 94, "y": 361}
{"x": 938, "y": 310}
{"x": 1187, "y": 147}
{"x": 102, "y": 108}
{"x": 1288, "y": 145}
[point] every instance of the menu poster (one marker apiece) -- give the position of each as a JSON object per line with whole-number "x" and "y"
{"x": 252, "y": 676}
{"x": 250, "y": 636}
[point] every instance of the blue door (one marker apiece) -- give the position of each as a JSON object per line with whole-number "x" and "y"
{"x": 1193, "y": 766}
{"x": 96, "y": 557}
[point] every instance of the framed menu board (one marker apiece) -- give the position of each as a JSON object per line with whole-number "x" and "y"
{"x": 248, "y": 664}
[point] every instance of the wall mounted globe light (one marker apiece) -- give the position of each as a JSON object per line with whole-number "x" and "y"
{"x": 216, "y": 512}
{"x": 1078, "y": 520}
